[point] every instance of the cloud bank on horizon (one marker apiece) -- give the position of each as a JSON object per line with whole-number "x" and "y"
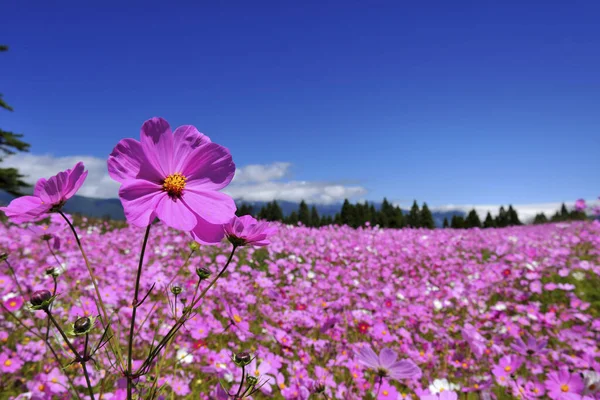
{"x": 255, "y": 182}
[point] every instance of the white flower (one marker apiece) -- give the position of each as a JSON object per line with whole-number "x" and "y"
{"x": 311, "y": 275}
{"x": 499, "y": 307}
{"x": 439, "y": 385}
{"x": 184, "y": 357}
{"x": 578, "y": 275}
{"x": 592, "y": 382}
{"x": 438, "y": 304}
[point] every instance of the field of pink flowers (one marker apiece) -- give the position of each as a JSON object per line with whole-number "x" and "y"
{"x": 496, "y": 313}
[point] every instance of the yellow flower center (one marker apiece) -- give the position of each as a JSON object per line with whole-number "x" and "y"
{"x": 257, "y": 372}
{"x": 508, "y": 368}
{"x": 54, "y": 380}
{"x": 476, "y": 386}
{"x": 383, "y": 333}
{"x": 12, "y": 303}
{"x": 8, "y": 363}
{"x": 536, "y": 390}
{"x": 41, "y": 388}
{"x": 237, "y": 319}
{"x": 385, "y": 392}
{"x": 564, "y": 388}
{"x": 282, "y": 385}
{"x": 174, "y": 184}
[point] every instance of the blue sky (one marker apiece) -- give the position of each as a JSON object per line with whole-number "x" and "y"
{"x": 462, "y": 102}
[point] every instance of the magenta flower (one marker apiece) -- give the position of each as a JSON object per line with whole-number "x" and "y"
{"x": 506, "y": 368}
{"x": 48, "y": 195}
{"x": 174, "y": 176}
{"x": 387, "y": 364}
{"x": 13, "y": 304}
{"x": 580, "y": 205}
{"x": 246, "y": 230}
{"x": 563, "y": 385}
{"x": 533, "y": 346}
{"x": 9, "y": 363}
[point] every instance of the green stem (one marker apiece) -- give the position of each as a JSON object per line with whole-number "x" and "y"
{"x": 153, "y": 354}
{"x": 106, "y": 320}
{"x": 133, "y": 315}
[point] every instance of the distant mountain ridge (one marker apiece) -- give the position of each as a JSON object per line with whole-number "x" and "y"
{"x": 112, "y": 208}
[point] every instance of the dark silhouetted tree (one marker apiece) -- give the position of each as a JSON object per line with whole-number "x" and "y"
{"x": 489, "y": 221}
{"x": 472, "y": 220}
{"x": 304, "y": 213}
{"x": 540, "y": 219}
{"x": 457, "y": 222}
{"x": 314, "y": 217}
{"x": 426, "y": 218}
{"x": 445, "y": 224}
{"x": 11, "y": 180}
{"x": 244, "y": 209}
{"x": 513, "y": 217}
{"x": 502, "y": 218}
{"x": 414, "y": 216}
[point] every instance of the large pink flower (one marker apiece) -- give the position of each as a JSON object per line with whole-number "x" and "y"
{"x": 247, "y": 230}
{"x": 174, "y": 176}
{"x": 48, "y": 195}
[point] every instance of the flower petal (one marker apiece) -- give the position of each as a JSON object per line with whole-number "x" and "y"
{"x": 207, "y": 233}
{"x": 404, "y": 369}
{"x": 25, "y": 209}
{"x": 387, "y": 357}
{"x": 368, "y": 357}
{"x": 214, "y": 207}
{"x": 208, "y": 167}
{"x": 157, "y": 143}
{"x": 186, "y": 138}
{"x": 139, "y": 199}
{"x": 176, "y": 214}
{"x": 125, "y": 160}
{"x": 76, "y": 178}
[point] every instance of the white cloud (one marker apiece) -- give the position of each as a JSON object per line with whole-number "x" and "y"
{"x": 261, "y": 173}
{"x": 254, "y": 182}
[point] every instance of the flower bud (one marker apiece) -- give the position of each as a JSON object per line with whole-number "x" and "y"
{"x": 47, "y": 237}
{"x": 82, "y": 325}
{"x": 176, "y": 290}
{"x": 242, "y": 359}
{"x": 3, "y": 256}
{"x": 193, "y": 246}
{"x": 203, "y": 273}
{"x": 40, "y": 296}
{"x": 251, "y": 380}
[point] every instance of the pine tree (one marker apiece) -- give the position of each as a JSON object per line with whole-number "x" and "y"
{"x": 472, "y": 220}
{"x": 457, "y": 222}
{"x": 564, "y": 213}
{"x": 11, "y": 180}
{"x": 445, "y": 224}
{"x": 540, "y": 219}
{"x": 513, "y": 217}
{"x": 292, "y": 219}
{"x": 347, "y": 214}
{"x": 314, "y": 217}
{"x": 414, "y": 220}
{"x": 373, "y": 215}
{"x": 304, "y": 213}
{"x": 502, "y": 218}
{"x": 244, "y": 209}
{"x": 426, "y": 218}
{"x": 398, "y": 220}
{"x": 489, "y": 221}
{"x": 277, "y": 212}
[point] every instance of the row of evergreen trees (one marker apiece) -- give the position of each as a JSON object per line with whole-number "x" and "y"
{"x": 390, "y": 216}
{"x": 503, "y": 219}
{"x": 354, "y": 215}
{"x": 560, "y": 216}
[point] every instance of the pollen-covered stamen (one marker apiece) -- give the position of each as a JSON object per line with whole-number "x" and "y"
{"x": 174, "y": 184}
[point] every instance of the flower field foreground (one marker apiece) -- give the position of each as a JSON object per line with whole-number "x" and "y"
{"x": 319, "y": 313}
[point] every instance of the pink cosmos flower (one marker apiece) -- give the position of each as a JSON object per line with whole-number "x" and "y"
{"x": 387, "y": 364}
{"x": 10, "y": 364}
{"x": 580, "y": 205}
{"x": 13, "y": 303}
{"x": 246, "y": 230}
{"x": 175, "y": 176}
{"x": 563, "y": 385}
{"x": 49, "y": 195}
